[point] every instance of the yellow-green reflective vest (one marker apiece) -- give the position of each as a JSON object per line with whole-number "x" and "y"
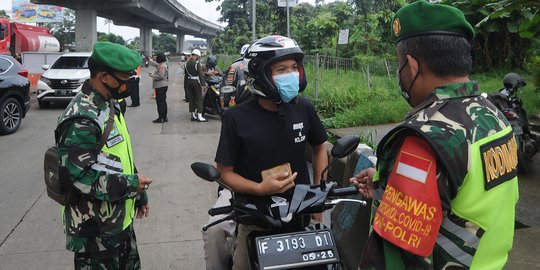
{"x": 493, "y": 210}
{"x": 123, "y": 162}
{"x": 123, "y": 151}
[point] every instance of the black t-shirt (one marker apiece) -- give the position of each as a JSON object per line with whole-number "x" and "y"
{"x": 254, "y": 139}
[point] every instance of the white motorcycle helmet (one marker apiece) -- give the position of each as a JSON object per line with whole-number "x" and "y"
{"x": 243, "y": 49}
{"x": 196, "y": 52}
{"x": 261, "y": 55}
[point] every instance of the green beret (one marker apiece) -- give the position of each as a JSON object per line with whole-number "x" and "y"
{"x": 115, "y": 56}
{"x": 423, "y": 18}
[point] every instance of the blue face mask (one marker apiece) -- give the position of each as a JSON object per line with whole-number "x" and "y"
{"x": 288, "y": 85}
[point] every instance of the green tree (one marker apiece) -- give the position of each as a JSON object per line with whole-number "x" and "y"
{"x": 3, "y": 14}
{"x": 305, "y": 36}
{"x": 238, "y": 30}
{"x": 164, "y": 43}
{"x": 315, "y": 28}
{"x": 506, "y": 30}
{"x": 64, "y": 31}
{"x": 134, "y": 44}
{"x": 111, "y": 38}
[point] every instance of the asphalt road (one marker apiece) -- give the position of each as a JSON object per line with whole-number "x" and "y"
{"x": 31, "y": 234}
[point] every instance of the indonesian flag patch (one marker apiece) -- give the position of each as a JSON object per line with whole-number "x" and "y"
{"x": 410, "y": 213}
{"x": 413, "y": 167}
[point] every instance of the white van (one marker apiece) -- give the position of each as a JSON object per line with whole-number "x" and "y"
{"x": 63, "y": 80}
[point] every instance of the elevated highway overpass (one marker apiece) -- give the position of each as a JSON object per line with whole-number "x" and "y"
{"x": 167, "y": 16}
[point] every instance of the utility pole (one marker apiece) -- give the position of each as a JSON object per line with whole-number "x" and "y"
{"x": 288, "y": 24}
{"x": 253, "y": 18}
{"x": 287, "y": 5}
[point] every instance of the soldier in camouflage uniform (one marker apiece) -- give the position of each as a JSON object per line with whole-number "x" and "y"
{"x": 110, "y": 192}
{"x": 445, "y": 187}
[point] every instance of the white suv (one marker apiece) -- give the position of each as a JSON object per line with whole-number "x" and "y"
{"x": 63, "y": 80}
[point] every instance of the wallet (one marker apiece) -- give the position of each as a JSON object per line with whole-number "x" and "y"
{"x": 285, "y": 167}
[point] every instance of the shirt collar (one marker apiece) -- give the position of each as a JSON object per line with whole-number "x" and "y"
{"x": 94, "y": 95}
{"x": 448, "y": 91}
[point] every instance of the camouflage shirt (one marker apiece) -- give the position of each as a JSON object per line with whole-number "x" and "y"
{"x": 453, "y": 117}
{"x": 102, "y": 206}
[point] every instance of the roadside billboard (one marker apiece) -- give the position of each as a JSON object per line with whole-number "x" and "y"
{"x": 26, "y": 12}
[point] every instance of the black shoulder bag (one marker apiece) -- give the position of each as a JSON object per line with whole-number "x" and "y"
{"x": 59, "y": 186}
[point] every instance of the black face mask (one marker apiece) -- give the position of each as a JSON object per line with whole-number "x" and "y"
{"x": 406, "y": 92}
{"x": 122, "y": 90}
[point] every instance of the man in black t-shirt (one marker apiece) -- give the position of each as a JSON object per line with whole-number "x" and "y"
{"x": 270, "y": 130}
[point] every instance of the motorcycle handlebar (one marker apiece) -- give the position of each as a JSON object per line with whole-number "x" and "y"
{"x": 220, "y": 210}
{"x": 344, "y": 191}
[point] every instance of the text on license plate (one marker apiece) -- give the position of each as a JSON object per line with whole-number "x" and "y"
{"x": 294, "y": 250}
{"x": 290, "y": 242}
{"x": 63, "y": 93}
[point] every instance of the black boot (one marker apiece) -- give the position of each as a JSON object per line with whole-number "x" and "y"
{"x": 194, "y": 116}
{"x": 159, "y": 120}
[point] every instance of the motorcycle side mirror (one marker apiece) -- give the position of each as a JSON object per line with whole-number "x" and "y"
{"x": 345, "y": 146}
{"x": 206, "y": 171}
{"x": 342, "y": 148}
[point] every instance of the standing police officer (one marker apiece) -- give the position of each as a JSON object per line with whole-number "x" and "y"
{"x": 195, "y": 83}
{"x": 445, "y": 188}
{"x": 99, "y": 226}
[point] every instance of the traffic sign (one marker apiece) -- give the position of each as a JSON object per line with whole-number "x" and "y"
{"x": 283, "y": 3}
{"x": 343, "y": 36}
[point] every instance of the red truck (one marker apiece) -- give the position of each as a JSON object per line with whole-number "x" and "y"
{"x": 16, "y": 38}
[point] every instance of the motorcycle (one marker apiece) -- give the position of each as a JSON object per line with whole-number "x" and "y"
{"x": 509, "y": 103}
{"x": 297, "y": 249}
{"x": 211, "y": 100}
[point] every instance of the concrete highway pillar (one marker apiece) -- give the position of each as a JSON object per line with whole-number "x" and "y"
{"x": 85, "y": 29}
{"x": 209, "y": 41}
{"x": 146, "y": 40}
{"x": 180, "y": 43}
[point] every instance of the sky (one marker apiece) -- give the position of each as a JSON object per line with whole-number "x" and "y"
{"x": 201, "y": 8}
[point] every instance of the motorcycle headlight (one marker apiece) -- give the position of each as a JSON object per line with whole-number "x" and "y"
{"x": 45, "y": 80}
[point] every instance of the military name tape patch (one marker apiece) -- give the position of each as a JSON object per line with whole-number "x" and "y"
{"x": 499, "y": 159}
{"x": 115, "y": 140}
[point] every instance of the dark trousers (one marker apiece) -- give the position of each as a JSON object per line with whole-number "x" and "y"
{"x": 135, "y": 101}
{"x": 186, "y": 92}
{"x": 123, "y": 106}
{"x": 161, "y": 101}
{"x": 195, "y": 96}
{"x": 119, "y": 253}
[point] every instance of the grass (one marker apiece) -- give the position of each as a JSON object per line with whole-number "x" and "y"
{"x": 344, "y": 99}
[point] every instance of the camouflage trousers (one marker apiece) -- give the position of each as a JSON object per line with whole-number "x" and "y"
{"x": 109, "y": 253}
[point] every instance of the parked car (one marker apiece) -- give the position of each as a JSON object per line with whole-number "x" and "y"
{"x": 63, "y": 80}
{"x": 28, "y": 13}
{"x": 14, "y": 94}
{"x": 47, "y": 13}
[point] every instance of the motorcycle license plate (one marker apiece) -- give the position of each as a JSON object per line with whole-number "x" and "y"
{"x": 298, "y": 249}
